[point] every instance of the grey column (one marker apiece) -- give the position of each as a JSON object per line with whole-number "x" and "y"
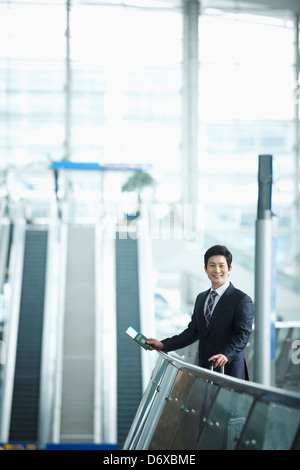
{"x": 263, "y": 273}
{"x": 190, "y": 107}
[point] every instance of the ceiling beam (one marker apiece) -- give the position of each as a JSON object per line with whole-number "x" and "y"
{"x": 287, "y": 5}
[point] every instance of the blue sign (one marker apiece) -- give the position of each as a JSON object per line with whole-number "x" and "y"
{"x": 67, "y": 165}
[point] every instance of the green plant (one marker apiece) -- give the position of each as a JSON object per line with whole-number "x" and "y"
{"x": 137, "y": 182}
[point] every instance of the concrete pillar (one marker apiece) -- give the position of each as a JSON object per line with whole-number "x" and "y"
{"x": 190, "y": 107}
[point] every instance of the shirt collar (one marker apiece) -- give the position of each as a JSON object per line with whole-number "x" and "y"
{"x": 220, "y": 290}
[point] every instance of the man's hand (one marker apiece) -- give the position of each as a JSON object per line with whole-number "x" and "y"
{"x": 220, "y": 360}
{"x": 155, "y": 344}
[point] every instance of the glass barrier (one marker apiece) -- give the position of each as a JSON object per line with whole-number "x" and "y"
{"x": 174, "y": 403}
{"x": 186, "y": 407}
{"x": 192, "y": 415}
{"x": 270, "y": 426}
{"x": 225, "y": 420}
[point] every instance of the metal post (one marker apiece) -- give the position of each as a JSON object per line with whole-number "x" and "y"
{"x": 190, "y": 107}
{"x": 263, "y": 274}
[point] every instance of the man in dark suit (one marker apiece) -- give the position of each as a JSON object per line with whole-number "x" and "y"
{"x": 222, "y": 324}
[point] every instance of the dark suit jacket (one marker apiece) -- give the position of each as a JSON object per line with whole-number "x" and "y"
{"x": 227, "y": 333}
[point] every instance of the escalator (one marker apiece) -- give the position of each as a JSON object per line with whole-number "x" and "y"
{"x": 129, "y": 367}
{"x": 77, "y": 378}
{"x": 24, "y": 416}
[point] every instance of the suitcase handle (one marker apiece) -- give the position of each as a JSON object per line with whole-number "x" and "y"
{"x": 212, "y": 363}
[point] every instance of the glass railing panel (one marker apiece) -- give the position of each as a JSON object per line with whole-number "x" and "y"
{"x": 148, "y": 426}
{"x": 225, "y": 423}
{"x": 170, "y": 416}
{"x": 271, "y": 426}
{"x": 193, "y": 415}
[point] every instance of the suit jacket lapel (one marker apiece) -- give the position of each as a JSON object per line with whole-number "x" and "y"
{"x": 201, "y": 313}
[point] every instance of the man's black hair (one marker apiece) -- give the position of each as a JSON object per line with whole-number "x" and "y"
{"x": 218, "y": 250}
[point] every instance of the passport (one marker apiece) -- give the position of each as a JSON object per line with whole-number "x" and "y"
{"x": 138, "y": 337}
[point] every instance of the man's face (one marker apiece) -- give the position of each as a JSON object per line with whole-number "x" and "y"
{"x": 217, "y": 270}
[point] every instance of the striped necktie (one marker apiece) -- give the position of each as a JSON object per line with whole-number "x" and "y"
{"x": 210, "y": 303}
